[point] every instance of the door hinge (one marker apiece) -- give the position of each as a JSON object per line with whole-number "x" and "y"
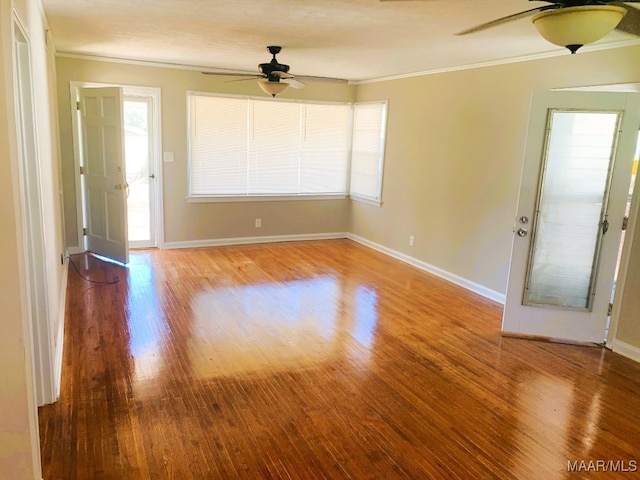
{"x": 84, "y": 231}
{"x": 610, "y": 310}
{"x": 77, "y": 105}
{"x": 81, "y": 171}
{"x": 625, "y": 223}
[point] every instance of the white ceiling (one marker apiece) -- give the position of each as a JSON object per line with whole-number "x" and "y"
{"x": 351, "y": 39}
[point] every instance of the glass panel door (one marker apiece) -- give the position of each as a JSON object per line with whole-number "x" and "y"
{"x": 575, "y": 181}
{"x": 570, "y": 215}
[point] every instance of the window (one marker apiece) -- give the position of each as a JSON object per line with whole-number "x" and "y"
{"x": 367, "y": 154}
{"x": 242, "y": 147}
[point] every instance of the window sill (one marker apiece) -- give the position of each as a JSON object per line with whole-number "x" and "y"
{"x": 262, "y": 198}
{"x": 369, "y": 201}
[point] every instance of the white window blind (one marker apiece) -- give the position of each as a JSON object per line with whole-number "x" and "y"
{"x": 367, "y": 150}
{"x": 248, "y": 147}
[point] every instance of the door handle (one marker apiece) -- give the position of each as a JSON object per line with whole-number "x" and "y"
{"x": 153, "y": 175}
{"x": 522, "y": 232}
{"x": 118, "y": 187}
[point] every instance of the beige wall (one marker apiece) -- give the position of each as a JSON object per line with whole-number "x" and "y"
{"x": 19, "y": 442}
{"x": 454, "y": 154}
{"x": 185, "y": 221}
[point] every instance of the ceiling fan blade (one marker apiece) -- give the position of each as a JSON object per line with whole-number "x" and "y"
{"x": 630, "y": 23}
{"x": 508, "y": 18}
{"x": 311, "y": 78}
{"x": 255, "y": 77}
{"x": 233, "y": 74}
{"x": 293, "y": 83}
{"x": 281, "y": 74}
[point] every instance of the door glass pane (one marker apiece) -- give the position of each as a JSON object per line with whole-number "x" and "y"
{"x": 136, "y": 141}
{"x": 570, "y": 208}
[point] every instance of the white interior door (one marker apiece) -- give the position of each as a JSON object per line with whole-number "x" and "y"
{"x": 573, "y": 191}
{"x": 103, "y": 168}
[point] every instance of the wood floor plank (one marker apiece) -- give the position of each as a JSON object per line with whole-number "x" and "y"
{"x": 318, "y": 360}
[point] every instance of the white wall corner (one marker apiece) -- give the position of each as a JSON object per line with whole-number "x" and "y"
{"x": 451, "y": 277}
{"x": 626, "y": 350}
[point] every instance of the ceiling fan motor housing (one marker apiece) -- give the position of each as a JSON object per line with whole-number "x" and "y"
{"x": 273, "y": 66}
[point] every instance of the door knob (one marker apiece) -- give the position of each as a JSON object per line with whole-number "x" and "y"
{"x": 522, "y": 232}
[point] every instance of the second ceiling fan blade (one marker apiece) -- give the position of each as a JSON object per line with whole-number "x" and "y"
{"x": 508, "y": 18}
{"x": 255, "y": 77}
{"x": 311, "y": 78}
{"x": 630, "y": 23}
{"x": 292, "y": 82}
{"x": 232, "y": 74}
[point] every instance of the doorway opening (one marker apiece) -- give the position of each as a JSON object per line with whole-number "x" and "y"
{"x": 142, "y": 146}
{"x": 140, "y": 175}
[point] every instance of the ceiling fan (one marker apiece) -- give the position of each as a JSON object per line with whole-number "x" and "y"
{"x": 274, "y": 77}
{"x": 574, "y": 23}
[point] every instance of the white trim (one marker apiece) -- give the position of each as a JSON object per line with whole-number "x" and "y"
{"x": 74, "y": 250}
{"x": 73, "y": 92}
{"x": 263, "y": 198}
{"x": 504, "y": 61}
{"x": 58, "y": 352}
{"x": 626, "y": 350}
{"x": 376, "y": 202}
{"x": 249, "y": 240}
{"x": 463, "y": 282}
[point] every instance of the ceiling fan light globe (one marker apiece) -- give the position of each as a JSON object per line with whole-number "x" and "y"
{"x": 272, "y": 88}
{"x": 576, "y": 26}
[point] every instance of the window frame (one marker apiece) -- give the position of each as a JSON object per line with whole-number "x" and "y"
{"x": 377, "y": 199}
{"x": 223, "y": 198}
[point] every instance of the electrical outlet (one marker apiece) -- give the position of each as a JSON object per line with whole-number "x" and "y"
{"x": 412, "y": 240}
{"x": 258, "y": 222}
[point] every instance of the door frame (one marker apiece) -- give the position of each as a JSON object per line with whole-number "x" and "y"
{"x": 611, "y": 341}
{"x": 130, "y": 96}
{"x": 155, "y": 155}
{"x": 625, "y": 257}
{"x": 41, "y": 331}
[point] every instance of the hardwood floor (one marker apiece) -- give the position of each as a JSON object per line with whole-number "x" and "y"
{"x": 319, "y": 360}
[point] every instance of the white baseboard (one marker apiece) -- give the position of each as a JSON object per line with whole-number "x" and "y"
{"x": 248, "y": 240}
{"x": 463, "y": 282}
{"x": 626, "y": 350}
{"x": 74, "y": 250}
{"x": 57, "y": 367}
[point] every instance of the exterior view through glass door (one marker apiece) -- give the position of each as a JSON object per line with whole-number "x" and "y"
{"x": 573, "y": 196}
{"x": 140, "y": 175}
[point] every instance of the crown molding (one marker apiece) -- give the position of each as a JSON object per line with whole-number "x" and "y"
{"x": 141, "y": 62}
{"x": 505, "y": 61}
